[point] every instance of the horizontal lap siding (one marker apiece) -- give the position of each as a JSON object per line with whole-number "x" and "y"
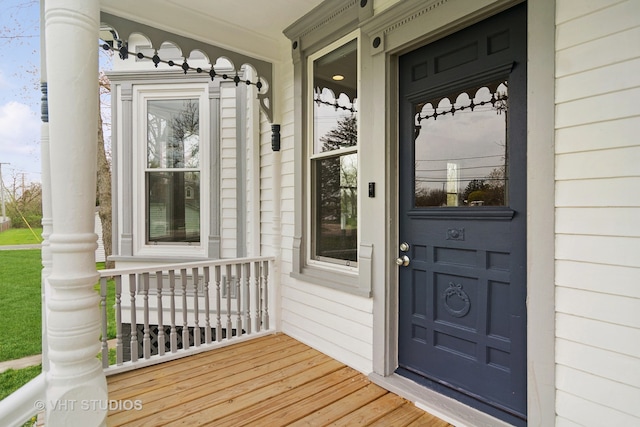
{"x": 335, "y": 323}
{"x": 228, "y": 174}
{"x": 598, "y": 212}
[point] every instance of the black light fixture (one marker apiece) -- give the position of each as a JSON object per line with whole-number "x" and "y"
{"x": 275, "y": 137}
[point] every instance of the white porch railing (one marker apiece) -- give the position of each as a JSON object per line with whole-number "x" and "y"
{"x": 170, "y": 311}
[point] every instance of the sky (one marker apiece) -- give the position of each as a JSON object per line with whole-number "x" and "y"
{"x": 20, "y": 91}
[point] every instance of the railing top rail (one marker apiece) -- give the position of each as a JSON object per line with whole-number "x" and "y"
{"x": 182, "y": 265}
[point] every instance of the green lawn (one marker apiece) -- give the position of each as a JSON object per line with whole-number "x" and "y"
{"x": 13, "y": 379}
{"x": 20, "y": 319}
{"x": 20, "y": 324}
{"x": 21, "y": 236}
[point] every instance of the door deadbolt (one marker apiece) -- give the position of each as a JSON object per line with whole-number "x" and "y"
{"x": 404, "y": 247}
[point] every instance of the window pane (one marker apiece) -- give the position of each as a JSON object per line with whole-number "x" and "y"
{"x": 173, "y": 209}
{"x": 173, "y": 139}
{"x": 461, "y": 148}
{"x": 335, "y": 93}
{"x": 336, "y": 207}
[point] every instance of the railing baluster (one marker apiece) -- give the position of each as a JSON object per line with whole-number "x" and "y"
{"x": 185, "y": 319}
{"x": 161, "y": 337}
{"x": 119, "y": 350}
{"x": 256, "y": 297}
{"x": 218, "y": 305}
{"x": 207, "y": 320}
{"x": 146, "y": 337}
{"x": 227, "y": 286}
{"x": 196, "y": 312}
{"x": 265, "y": 294}
{"x": 173, "y": 335}
{"x": 134, "y": 324}
{"x": 246, "y": 277}
{"x": 103, "y": 312}
{"x": 238, "y": 300}
{"x": 245, "y": 280}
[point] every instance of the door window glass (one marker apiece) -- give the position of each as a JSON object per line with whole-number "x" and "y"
{"x": 461, "y": 153}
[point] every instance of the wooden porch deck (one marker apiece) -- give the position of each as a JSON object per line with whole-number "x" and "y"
{"x": 269, "y": 381}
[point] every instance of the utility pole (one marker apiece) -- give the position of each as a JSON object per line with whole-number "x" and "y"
{"x": 4, "y": 213}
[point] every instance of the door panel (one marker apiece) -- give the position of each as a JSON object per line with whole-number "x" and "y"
{"x": 462, "y": 187}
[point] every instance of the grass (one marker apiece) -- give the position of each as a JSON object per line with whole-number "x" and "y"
{"x": 20, "y": 322}
{"x": 20, "y": 305}
{"x": 21, "y": 236}
{"x": 13, "y": 379}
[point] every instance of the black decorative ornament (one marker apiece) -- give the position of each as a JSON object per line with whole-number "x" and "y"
{"x": 455, "y": 291}
{"x": 335, "y": 105}
{"x": 123, "y": 53}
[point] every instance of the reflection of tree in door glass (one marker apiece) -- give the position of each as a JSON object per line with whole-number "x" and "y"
{"x": 461, "y": 154}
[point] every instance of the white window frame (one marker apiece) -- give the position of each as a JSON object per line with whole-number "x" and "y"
{"x": 336, "y": 266}
{"x": 141, "y": 95}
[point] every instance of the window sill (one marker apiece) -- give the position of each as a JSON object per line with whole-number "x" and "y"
{"x": 356, "y": 282}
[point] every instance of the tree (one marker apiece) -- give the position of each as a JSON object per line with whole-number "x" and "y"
{"x": 25, "y": 207}
{"x": 103, "y": 192}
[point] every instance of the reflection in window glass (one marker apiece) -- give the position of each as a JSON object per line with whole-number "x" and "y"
{"x": 334, "y": 156}
{"x": 336, "y": 211}
{"x": 461, "y": 148}
{"x": 173, "y": 206}
{"x": 172, "y": 177}
{"x": 172, "y": 133}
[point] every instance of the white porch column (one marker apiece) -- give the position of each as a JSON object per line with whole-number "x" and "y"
{"x": 47, "y": 223}
{"x": 76, "y": 385}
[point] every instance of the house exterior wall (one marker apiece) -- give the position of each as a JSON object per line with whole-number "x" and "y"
{"x": 228, "y": 177}
{"x": 339, "y": 323}
{"x": 597, "y": 210}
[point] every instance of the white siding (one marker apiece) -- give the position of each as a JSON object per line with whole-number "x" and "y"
{"x": 228, "y": 175}
{"x": 338, "y": 324}
{"x": 597, "y": 212}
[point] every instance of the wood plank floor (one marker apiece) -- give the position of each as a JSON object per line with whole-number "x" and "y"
{"x": 269, "y": 381}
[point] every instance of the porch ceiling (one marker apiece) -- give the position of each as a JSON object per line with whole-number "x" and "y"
{"x": 252, "y": 27}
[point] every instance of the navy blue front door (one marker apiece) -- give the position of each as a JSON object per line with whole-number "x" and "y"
{"x": 462, "y": 195}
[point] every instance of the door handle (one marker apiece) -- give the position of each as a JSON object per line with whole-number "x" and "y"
{"x": 403, "y": 261}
